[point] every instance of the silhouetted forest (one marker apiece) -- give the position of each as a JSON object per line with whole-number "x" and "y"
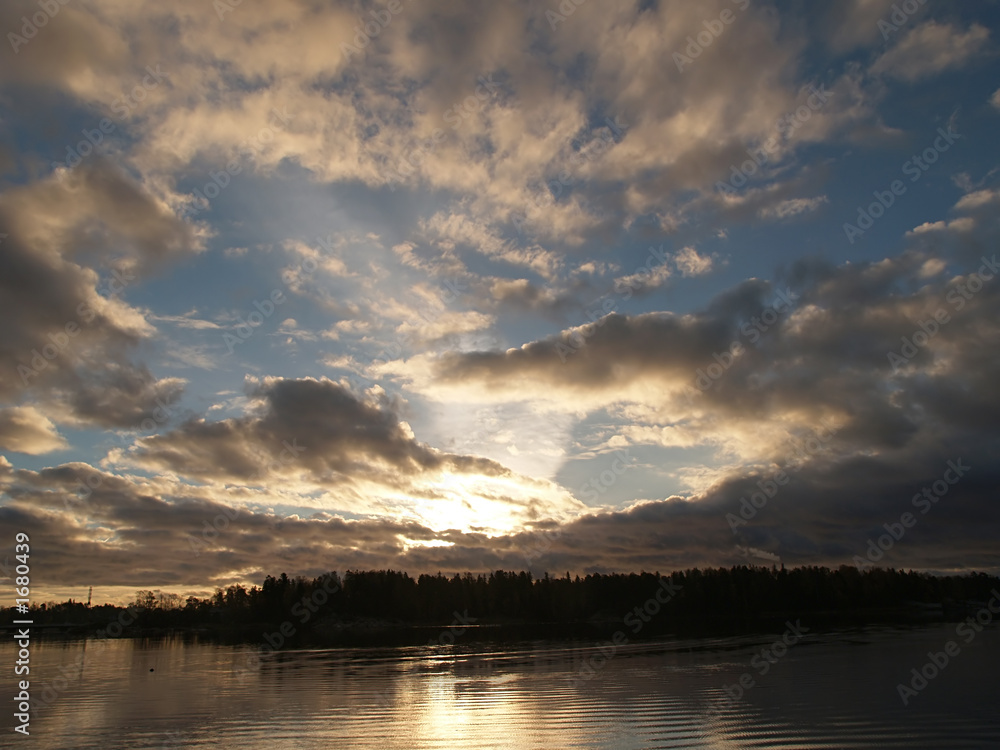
{"x": 722, "y": 597}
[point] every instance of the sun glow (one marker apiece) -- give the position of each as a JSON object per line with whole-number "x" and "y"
{"x": 491, "y": 505}
{"x": 409, "y": 544}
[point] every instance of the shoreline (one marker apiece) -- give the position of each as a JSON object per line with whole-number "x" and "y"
{"x": 375, "y": 632}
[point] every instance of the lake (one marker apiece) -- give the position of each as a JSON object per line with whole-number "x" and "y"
{"x": 829, "y": 690}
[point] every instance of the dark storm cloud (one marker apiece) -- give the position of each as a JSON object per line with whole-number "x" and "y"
{"x": 320, "y": 425}
{"x": 97, "y": 215}
{"x": 899, "y": 418}
{"x": 825, "y": 514}
{"x": 67, "y": 332}
{"x": 617, "y": 348}
{"x": 41, "y": 296}
{"x": 827, "y": 352}
{"x": 124, "y": 395}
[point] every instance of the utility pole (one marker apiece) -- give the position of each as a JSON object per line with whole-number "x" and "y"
{"x": 89, "y": 595}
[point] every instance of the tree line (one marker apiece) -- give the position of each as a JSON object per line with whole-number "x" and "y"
{"x": 734, "y": 595}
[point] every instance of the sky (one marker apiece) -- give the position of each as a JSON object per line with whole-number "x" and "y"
{"x": 459, "y": 286}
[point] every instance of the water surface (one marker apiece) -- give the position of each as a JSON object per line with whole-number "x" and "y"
{"x": 836, "y": 690}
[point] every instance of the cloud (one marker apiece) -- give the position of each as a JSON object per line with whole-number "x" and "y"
{"x": 792, "y": 207}
{"x": 644, "y": 280}
{"x": 522, "y": 147}
{"x": 187, "y": 320}
{"x": 888, "y": 432}
{"x": 977, "y": 199}
{"x": 523, "y": 294}
{"x": 447, "y": 324}
{"x": 69, "y": 333}
{"x": 964, "y": 236}
{"x": 340, "y": 431}
{"x": 455, "y": 230}
{"x": 121, "y": 395}
{"x": 137, "y": 532}
{"x": 659, "y": 268}
{"x": 96, "y": 212}
{"x": 931, "y": 48}
{"x": 610, "y": 354}
{"x": 826, "y": 355}
{"x": 691, "y": 263}
{"x": 484, "y": 184}
{"x": 955, "y": 225}
{"x": 23, "y": 429}
{"x": 77, "y": 53}
{"x": 307, "y": 435}
{"x": 855, "y": 23}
